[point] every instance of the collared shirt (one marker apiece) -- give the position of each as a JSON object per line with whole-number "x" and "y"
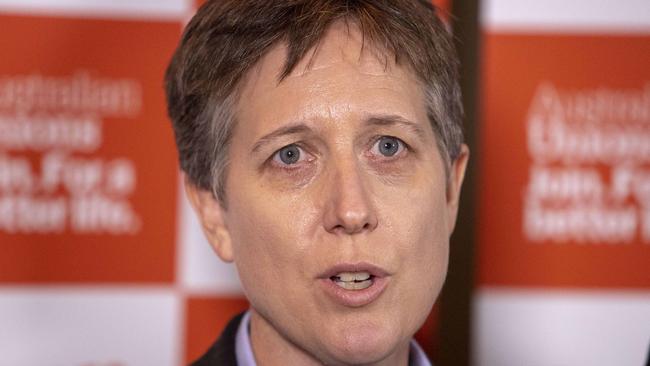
{"x": 244, "y": 350}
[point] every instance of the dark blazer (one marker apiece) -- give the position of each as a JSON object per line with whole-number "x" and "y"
{"x": 222, "y": 352}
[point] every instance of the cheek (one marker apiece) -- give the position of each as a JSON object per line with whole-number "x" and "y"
{"x": 425, "y": 267}
{"x": 425, "y": 248}
{"x": 420, "y": 213}
{"x": 257, "y": 244}
{"x": 427, "y": 254}
{"x": 268, "y": 238}
{"x": 259, "y": 266}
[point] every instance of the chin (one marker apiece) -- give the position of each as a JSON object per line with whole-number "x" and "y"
{"x": 364, "y": 344}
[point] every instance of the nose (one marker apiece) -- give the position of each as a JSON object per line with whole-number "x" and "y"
{"x": 349, "y": 208}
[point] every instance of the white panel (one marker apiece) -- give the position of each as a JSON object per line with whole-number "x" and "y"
{"x": 138, "y": 9}
{"x": 544, "y": 328}
{"x": 200, "y": 270}
{"x": 89, "y": 326}
{"x": 561, "y": 16}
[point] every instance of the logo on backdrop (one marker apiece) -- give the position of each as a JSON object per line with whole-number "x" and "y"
{"x": 51, "y": 179}
{"x": 589, "y": 179}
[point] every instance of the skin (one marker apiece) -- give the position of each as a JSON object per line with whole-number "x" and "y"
{"x": 342, "y": 202}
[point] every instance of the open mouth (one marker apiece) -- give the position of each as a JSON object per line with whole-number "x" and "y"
{"x": 353, "y": 280}
{"x": 354, "y": 284}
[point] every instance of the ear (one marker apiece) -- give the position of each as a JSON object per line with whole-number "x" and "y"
{"x": 456, "y": 176}
{"x": 210, "y": 213}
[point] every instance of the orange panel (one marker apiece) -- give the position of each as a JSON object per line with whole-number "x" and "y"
{"x": 109, "y": 72}
{"x": 584, "y": 82}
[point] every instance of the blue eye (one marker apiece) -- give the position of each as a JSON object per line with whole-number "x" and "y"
{"x": 288, "y": 155}
{"x": 389, "y": 146}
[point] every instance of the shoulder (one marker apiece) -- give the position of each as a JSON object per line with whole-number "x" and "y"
{"x": 222, "y": 352}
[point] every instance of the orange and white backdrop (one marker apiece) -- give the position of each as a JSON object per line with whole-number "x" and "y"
{"x": 564, "y": 184}
{"x": 102, "y": 263}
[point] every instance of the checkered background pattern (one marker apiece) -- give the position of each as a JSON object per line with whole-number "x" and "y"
{"x": 102, "y": 262}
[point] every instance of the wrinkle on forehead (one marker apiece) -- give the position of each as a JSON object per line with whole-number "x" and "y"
{"x": 339, "y": 76}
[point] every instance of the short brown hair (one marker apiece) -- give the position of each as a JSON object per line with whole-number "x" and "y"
{"x": 226, "y": 38}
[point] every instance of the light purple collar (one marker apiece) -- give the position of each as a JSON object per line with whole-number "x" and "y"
{"x": 243, "y": 348}
{"x": 244, "y": 351}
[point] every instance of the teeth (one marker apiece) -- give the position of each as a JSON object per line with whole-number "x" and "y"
{"x": 352, "y": 276}
{"x": 353, "y": 280}
{"x": 354, "y": 285}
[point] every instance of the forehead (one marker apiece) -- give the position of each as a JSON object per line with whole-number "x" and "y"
{"x": 342, "y": 73}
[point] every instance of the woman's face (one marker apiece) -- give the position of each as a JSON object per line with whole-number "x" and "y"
{"x": 339, "y": 210}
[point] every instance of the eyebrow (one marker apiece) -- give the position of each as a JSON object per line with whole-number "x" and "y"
{"x": 292, "y": 129}
{"x": 396, "y": 120}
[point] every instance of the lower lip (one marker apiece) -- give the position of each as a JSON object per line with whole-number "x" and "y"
{"x": 354, "y": 298}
